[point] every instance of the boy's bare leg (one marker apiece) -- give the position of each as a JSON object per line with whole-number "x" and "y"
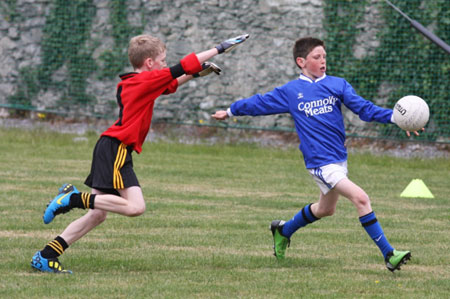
{"x": 355, "y": 194}
{"x": 130, "y": 204}
{"x": 282, "y": 231}
{"x": 326, "y": 205}
{"x": 393, "y": 258}
{"x": 83, "y": 225}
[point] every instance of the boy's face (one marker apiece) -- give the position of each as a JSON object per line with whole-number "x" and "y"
{"x": 159, "y": 62}
{"x": 314, "y": 65}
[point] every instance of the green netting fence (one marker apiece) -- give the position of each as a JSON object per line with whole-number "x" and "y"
{"x": 370, "y": 44}
{"x": 403, "y": 62}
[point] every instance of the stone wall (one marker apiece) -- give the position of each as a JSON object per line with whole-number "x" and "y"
{"x": 258, "y": 66}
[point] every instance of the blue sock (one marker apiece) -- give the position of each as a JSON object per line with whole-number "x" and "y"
{"x": 301, "y": 219}
{"x": 374, "y": 230}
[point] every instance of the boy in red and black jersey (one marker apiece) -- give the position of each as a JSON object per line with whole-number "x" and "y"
{"x": 115, "y": 187}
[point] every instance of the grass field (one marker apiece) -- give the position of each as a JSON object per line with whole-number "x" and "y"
{"x": 205, "y": 232}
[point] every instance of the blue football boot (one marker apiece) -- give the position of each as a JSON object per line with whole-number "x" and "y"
{"x": 59, "y": 204}
{"x": 47, "y": 265}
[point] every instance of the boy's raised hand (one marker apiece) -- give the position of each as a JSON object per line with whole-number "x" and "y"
{"x": 231, "y": 43}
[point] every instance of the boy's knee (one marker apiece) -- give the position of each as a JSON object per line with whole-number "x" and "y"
{"x": 139, "y": 211}
{"x": 327, "y": 212}
{"x": 135, "y": 211}
{"x": 362, "y": 200}
{"x": 330, "y": 212}
{"x": 136, "y": 203}
{"x": 324, "y": 211}
{"x": 98, "y": 216}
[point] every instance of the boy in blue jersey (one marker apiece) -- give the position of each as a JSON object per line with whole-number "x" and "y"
{"x": 314, "y": 100}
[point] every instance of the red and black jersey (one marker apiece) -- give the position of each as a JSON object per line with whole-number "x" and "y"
{"x": 136, "y": 95}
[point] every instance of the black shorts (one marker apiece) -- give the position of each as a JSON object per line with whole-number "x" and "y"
{"x": 112, "y": 166}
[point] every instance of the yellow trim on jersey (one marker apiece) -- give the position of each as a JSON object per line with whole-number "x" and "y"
{"x": 118, "y": 164}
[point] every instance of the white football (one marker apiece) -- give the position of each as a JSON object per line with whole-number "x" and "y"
{"x": 411, "y": 113}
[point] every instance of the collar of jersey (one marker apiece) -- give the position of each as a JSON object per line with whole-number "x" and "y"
{"x": 303, "y": 77}
{"x": 127, "y": 75}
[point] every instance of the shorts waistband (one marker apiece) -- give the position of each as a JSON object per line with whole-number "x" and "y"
{"x": 117, "y": 141}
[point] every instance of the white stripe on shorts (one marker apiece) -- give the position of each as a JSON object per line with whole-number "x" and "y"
{"x": 328, "y": 176}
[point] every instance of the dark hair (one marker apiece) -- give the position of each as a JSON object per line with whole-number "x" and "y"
{"x": 305, "y": 45}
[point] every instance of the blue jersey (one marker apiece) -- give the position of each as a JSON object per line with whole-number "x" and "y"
{"x": 316, "y": 109}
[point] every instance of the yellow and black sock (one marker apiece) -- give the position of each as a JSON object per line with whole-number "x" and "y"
{"x": 54, "y": 248}
{"x": 82, "y": 200}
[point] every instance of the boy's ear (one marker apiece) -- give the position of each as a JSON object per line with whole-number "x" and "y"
{"x": 148, "y": 62}
{"x": 300, "y": 62}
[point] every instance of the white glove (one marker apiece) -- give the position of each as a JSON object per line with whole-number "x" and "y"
{"x": 208, "y": 68}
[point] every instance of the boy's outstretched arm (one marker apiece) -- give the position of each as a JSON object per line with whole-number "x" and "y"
{"x": 223, "y": 47}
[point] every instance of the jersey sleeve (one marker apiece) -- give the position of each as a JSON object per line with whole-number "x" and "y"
{"x": 188, "y": 65}
{"x": 191, "y": 64}
{"x": 172, "y": 87}
{"x": 366, "y": 110}
{"x": 273, "y": 102}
